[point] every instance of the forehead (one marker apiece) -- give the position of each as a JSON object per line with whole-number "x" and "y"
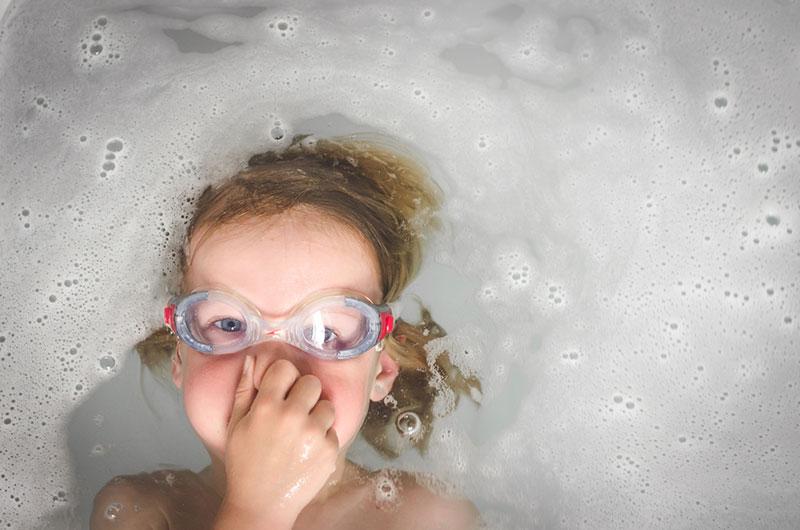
{"x": 277, "y": 263}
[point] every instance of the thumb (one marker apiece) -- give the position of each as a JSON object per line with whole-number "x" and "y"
{"x": 244, "y": 394}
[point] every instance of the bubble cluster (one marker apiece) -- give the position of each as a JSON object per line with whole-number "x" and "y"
{"x": 113, "y": 149}
{"x": 556, "y": 294}
{"x": 100, "y": 46}
{"x": 387, "y": 490}
{"x": 390, "y": 401}
{"x": 518, "y": 269}
{"x": 624, "y": 403}
{"x": 277, "y": 133}
{"x": 112, "y": 511}
{"x": 572, "y": 357}
{"x": 25, "y": 217}
{"x": 283, "y": 26}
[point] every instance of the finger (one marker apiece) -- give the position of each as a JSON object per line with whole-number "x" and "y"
{"x": 277, "y": 380}
{"x": 243, "y": 396}
{"x": 305, "y": 392}
{"x": 323, "y": 414}
{"x": 260, "y": 365}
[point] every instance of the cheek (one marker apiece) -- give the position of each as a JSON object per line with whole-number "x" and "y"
{"x": 350, "y": 410}
{"x": 208, "y": 390}
{"x": 209, "y": 385}
{"x": 350, "y": 398}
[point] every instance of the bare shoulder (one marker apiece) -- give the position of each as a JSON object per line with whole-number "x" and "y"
{"x": 128, "y": 501}
{"x": 161, "y": 500}
{"x": 422, "y": 508}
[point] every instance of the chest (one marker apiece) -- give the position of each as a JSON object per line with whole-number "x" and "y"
{"x": 355, "y": 511}
{"x": 353, "y": 508}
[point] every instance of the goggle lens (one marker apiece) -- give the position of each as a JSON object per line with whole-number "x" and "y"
{"x": 333, "y": 327}
{"x": 215, "y": 322}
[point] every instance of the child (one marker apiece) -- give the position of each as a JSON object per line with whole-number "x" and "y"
{"x": 286, "y": 339}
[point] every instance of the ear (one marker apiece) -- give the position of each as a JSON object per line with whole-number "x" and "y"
{"x": 177, "y": 368}
{"x": 384, "y": 378}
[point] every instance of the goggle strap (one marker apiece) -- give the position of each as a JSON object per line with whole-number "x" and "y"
{"x": 387, "y": 324}
{"x": 169, "y": 317}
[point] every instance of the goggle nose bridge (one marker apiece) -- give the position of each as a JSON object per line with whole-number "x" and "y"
{"x": 269, "y": 329}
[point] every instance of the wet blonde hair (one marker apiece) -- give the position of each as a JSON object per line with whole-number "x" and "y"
{"x": 375, "y": 187}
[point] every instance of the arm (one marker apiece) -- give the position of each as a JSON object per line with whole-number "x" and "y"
{"x": 122, "y": 505}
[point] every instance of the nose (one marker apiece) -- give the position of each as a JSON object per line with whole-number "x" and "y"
{"x": 266, "y": 353}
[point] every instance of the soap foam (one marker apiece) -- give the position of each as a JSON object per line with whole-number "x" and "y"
{"x": 621, "y": 207}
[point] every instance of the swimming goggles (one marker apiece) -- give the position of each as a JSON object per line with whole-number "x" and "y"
{"x": 331, "y": 324}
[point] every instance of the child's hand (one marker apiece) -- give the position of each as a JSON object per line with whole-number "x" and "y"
{"x": 281, "y": 448}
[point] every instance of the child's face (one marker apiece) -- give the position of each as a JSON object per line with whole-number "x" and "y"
{"x": 275, "y": 264}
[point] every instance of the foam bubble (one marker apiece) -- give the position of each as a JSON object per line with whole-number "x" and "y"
{"x": 408, "y": 423}
{"x": 387, "y": 491}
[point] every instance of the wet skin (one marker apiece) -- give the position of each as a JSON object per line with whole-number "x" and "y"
{"x": 275, "y": 265}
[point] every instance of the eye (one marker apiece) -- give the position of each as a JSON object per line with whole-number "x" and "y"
{"x": 228, "y": 324}
{"x": 330, "y": 335}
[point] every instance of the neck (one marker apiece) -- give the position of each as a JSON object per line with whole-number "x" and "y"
{"x": 214, "y": 477}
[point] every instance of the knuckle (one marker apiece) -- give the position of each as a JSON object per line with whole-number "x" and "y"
{"x": 294, "y": 414}
{"x": 310, "y": 431}
{"x": 263, "y": 407}
{"x": 241, "y": 393}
